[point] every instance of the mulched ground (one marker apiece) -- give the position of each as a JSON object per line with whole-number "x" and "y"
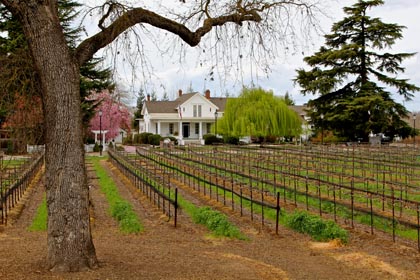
{"x": 188, "y": 252}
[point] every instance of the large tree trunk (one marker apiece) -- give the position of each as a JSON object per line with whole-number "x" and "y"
{"x": 70, "y": 246}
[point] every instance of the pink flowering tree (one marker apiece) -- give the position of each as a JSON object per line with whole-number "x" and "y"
{"x": 115, "y": 115}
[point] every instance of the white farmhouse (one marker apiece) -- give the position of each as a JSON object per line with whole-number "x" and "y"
{"x": 187, "y": 118}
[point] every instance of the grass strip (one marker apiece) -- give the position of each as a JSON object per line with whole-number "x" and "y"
{"x": 215, "y": 221}
{"x": 120, "y": 209}
{"x": 39, "y": 222}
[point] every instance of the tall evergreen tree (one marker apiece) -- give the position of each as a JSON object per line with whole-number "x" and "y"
{"x": 139, "y": 108}
{"x": 19, "y": 81}
{"x": 153, "y": 96}
{"x": 289, "y": 101}
{"x": 165, "y": 96}
{"x": 353, "y": 75}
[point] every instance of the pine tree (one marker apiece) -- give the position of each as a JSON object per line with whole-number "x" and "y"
{"x": 289, "y": 101}
{"x": 153, "y": 96}
{"x": 165, "y": 96}
{"x": 137, "y": 113}
{"x": 353, "y": 75}
{"x": 18, "y": 78}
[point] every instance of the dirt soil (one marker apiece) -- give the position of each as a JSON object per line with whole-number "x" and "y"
{"x": 188, "y": 252}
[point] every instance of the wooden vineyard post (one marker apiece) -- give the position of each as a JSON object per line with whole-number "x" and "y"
{"x": 335, "y": 205}
{"x": 393, "y": 213}
{"x": 262, "y": 208}
{"x": 418, "y": 228}
{"x": 176, "y": 207}
{"x": 252, "y": 205}
{"x": 306, "y": 193}
{"x": 277, "y": 212}
{"x": 319, "y": 195}
{"x": 371, "y": 215}
{"x": 241, "y": 198}
{"x": 233, "y": 202}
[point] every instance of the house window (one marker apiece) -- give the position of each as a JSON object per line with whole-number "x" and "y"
{"x": 171, "y": 128}
{"x": 196, "y": 111}
{"x": 156, "y": 128}
{"x": 208, "y": 127}
{"x": 197, "y": 128}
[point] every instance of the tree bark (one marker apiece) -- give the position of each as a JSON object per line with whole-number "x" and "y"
{"x": 70, "y": 246}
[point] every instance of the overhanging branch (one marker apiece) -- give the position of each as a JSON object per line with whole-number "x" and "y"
{"x": 138, "y": 15}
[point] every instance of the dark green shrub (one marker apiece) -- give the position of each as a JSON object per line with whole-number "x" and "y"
{"x": 155, "y": 139}
{"x": 232, "y": 140}
{"x": 96, "y": 148}
{"x": 128, "y": 140}
{"x": 144, "y": 137}
{"x": 210, "y": 139}
{"x": 10, "y": 148}
{"x": 270, "y": 139}
{"x": 90, "y": 140}
{"x": 111, "y": 145}
{"x": 137, "y": 139}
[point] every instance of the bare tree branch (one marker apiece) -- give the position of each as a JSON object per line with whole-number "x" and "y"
{"x": 138, "y": 15}
{"x": 10, "y": 5}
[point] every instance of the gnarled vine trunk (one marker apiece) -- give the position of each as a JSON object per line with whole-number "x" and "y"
{"x": 70, "y": 246}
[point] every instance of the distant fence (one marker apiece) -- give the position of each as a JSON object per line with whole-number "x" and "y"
{"x": 14, "y": 184}
{"x": 152, "y": 184}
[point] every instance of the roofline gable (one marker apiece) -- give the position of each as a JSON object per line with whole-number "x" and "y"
{"x": 202, "y": 97}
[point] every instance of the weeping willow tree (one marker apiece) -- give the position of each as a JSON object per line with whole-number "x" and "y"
{"x": 259, "y": 113}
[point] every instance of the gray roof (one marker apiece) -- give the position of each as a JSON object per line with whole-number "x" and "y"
{"x": 300, "y": 109}
{"x": 161, "y": 106}
{"x": 220, "y": 102}
{"x": 154, "y": 107}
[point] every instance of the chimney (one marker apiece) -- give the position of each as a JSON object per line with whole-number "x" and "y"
{"x": 148, "y": 97}
{"x": 207, "y": 94}
{"x": 180, "y": 93}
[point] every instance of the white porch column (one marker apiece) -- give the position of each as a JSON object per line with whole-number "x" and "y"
{"x": 96, "y": 137}
{"x": 180, "y": 135}
{"x": 103, "y": 139}
{"x": 200, "y": 130}
{"x": 158, "y": 127}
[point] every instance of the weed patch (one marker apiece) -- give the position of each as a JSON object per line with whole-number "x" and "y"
{"x": 316, "y": 227}
{"x": 217, "y": 222}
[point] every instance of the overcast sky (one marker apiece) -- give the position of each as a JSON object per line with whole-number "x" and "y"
{"x": 171, "y": 76}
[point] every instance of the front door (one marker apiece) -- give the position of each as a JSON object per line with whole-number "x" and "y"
{"x": 185, "y": 130}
